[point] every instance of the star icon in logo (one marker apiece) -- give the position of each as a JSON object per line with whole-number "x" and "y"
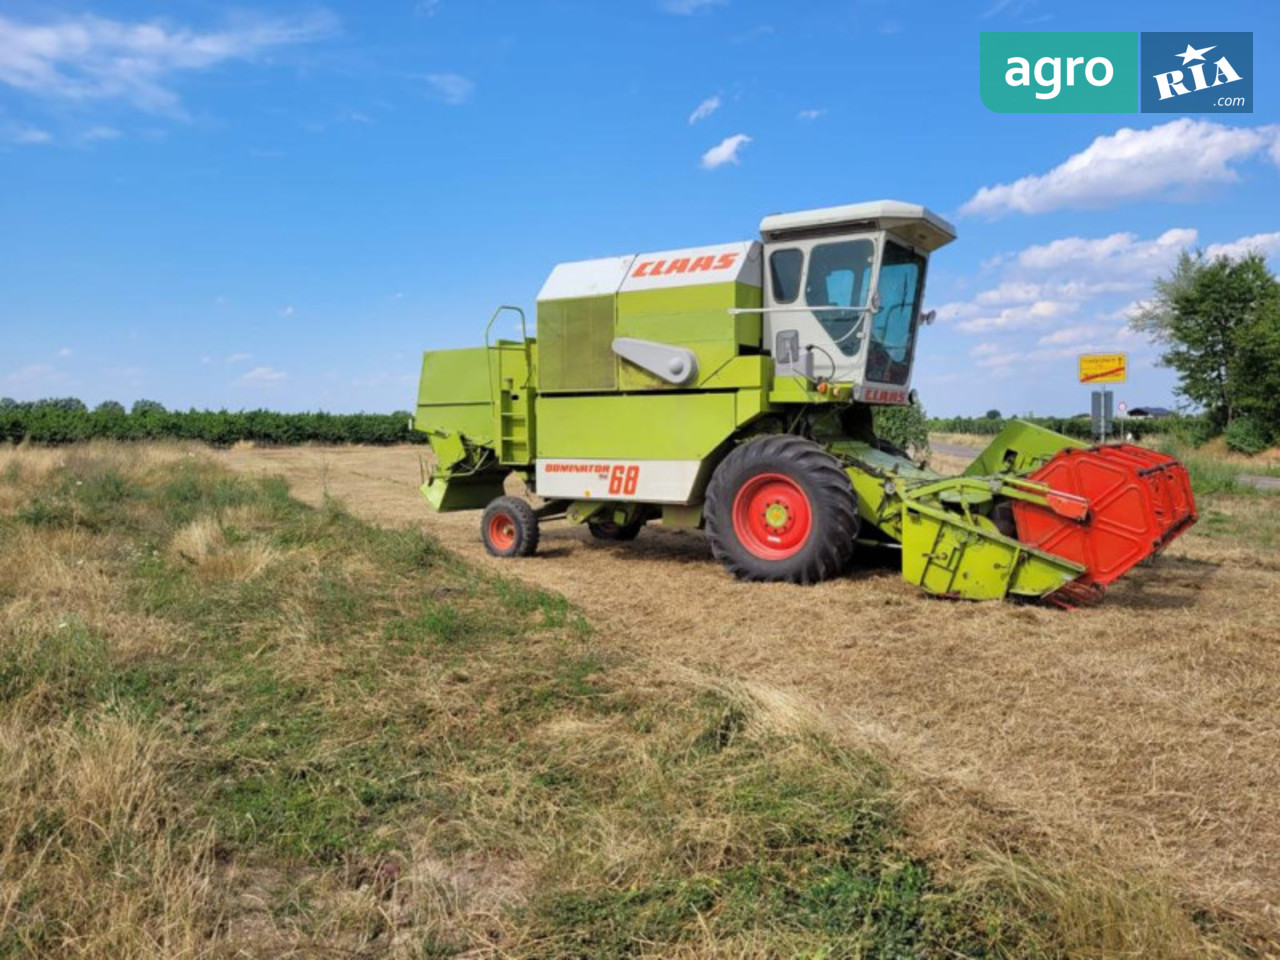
{"x": 1191, "y": 53}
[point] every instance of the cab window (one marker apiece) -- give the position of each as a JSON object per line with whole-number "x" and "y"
{"x": 837, "y": 286}
{"x": 893, "y": 329}
{"x": 784, "y": 274}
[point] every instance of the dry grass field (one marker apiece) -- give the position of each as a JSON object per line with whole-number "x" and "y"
{"x": 235, "y": 725}
{"x": 1139, "y": 735}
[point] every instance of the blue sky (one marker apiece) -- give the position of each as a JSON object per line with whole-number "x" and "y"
{"x": 281, "y": 204}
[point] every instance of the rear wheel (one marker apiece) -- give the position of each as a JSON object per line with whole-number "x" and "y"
{"x": 781, "y": 508}
{"x": 608, "y": 530}
{"x": 509, "y": 528}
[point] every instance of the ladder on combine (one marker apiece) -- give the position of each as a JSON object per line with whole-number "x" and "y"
{"x": 510, "y": 391}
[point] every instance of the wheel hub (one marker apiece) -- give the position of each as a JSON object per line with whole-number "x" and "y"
{"x": 772, "y": 516}
{"x": 778, "y": 517}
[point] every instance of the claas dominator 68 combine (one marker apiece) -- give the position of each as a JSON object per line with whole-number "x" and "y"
{"x": 730, "y": 388}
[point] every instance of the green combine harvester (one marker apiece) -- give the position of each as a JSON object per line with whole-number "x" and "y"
{"x": 730, "y": 388}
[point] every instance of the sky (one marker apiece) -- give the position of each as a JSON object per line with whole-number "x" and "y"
{"x": 281, "y": 204}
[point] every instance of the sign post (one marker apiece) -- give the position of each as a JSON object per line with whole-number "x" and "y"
{"x": 1102, "y": 369}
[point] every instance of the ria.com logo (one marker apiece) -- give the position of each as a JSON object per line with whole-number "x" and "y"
{"x": 1113, "y": 73}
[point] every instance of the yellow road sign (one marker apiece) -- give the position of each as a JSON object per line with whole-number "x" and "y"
{"x": 1103, "y": 367}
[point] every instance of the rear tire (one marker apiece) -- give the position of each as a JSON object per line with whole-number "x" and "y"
{"x": 509, "y": 528}
{"x": 608, "y": 530}
{"x": 781, "y": 508}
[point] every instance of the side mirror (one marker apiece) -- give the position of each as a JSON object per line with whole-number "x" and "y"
{"x": 786, "y": 348}
{"x": 928, "y": 318}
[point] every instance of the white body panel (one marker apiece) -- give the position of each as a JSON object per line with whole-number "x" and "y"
{"x": 586, "y": 278}
{"x": 648, "y": 481}
{"x": 918, "y": 225}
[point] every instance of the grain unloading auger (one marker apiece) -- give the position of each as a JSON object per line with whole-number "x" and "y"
{"x": 730, "y": 388}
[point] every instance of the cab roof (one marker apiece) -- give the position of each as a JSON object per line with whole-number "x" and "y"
{"x": 916, "y": 224}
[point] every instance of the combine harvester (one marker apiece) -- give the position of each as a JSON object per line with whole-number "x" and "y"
{"x": 730, "y": 388}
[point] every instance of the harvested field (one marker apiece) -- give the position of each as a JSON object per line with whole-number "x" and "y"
{"x": 1141, "y": 733}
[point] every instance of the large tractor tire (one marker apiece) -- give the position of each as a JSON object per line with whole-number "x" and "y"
{"x": 509, "y": 528}
{"x": 608, "y": 530}
{"x": 780, "y": 508}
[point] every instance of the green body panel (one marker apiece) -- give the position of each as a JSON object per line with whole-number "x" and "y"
{"x": 954, "y": 555}
{"x": 698, "y": 318}
{"x": 454, "y": 394}
{"x": 652, "y": 426}
{"x": 575, "y": 345}
{"x": 1020, "y": 448}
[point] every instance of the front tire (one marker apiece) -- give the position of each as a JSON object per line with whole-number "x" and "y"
{"x": 509, "y": 528}
{"x": 780, "y": 508}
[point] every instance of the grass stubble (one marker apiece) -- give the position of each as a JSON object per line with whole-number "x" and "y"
{"x": 235, "y": 725}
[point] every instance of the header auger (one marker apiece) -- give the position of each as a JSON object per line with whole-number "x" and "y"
{"x": 730, "y": 388}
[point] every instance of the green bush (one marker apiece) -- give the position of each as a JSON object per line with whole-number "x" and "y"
{"x": 1247, "y": 435}
{"x": 905, "y": 427}
{"x": 62, "y": 422}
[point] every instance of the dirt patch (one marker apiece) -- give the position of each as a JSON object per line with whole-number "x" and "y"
{"x": 1144, "y": 729}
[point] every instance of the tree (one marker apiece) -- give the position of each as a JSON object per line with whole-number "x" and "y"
{"x": 992, "y": 414}
{"x": 1219, "y": 322}
{"x": 112, "y": 407}
{"x": 141, "y": 407}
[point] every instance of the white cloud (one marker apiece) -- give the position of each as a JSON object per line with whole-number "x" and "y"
{"x": 426, "y": 8}
{"x": 240, "y": 358}
{"x": 1117, "y": 253}
{"x": 24, "y": 135}
{"x": 705, "y": 109}
{"x": 809, "y": 114}
{"x": 684, "y": 8}
{"x": 1266, "y": 244}
{"x": 726, "y": 151}
{"x": 65, "y": 352}
{"x": 450, "y": 88}
{"x": 1064, "y": 278}
{"x": 1131, "y": 164}
{"x": 34, "y": 374}
{"x": 94, "y": 134}
{"x": 288, "y": 311}
{"x": 1068, "y": 335}
{"x": 263, "y": 375}
{"x": 87, "y": 57}
{"x": 1014, "y": 318}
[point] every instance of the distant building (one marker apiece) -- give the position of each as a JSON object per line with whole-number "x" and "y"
{"x": 1150, "y": 413}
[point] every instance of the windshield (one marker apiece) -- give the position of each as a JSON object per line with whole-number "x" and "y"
{"x": 840, "y": 278}
{"x": 894, "y": 325}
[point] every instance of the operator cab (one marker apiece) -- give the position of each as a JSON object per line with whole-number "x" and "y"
{"x": 843, "y": 287}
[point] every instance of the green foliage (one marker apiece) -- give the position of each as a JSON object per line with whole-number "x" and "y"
{"x": 993, "y": 414}
{"x": 60, "y": 422}
{"x": 906, "y": 427}
{"x": 1219, "y": 322}
{"x": 1248, "y": 435}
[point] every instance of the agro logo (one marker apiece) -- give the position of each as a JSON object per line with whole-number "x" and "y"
{"x": 1197, "y": 73}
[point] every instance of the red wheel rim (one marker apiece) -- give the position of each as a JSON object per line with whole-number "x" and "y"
{"x": 502, "y": 531}
{"x": 771, "y": 516}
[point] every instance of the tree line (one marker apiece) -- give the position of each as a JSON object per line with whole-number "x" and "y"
{"x": 68, "y": 420}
